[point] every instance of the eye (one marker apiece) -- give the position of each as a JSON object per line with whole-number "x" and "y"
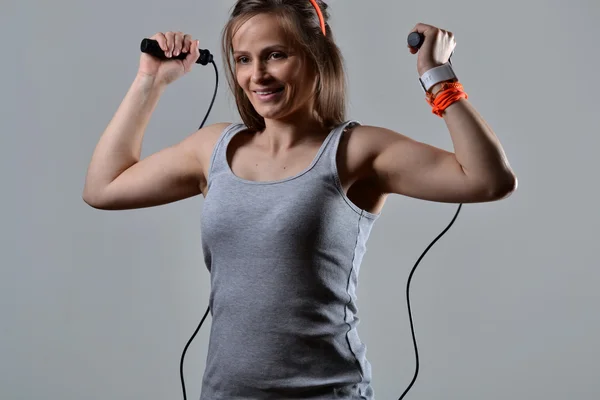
{"x": 242, "y": 60}
{"x": 277, "y": 55}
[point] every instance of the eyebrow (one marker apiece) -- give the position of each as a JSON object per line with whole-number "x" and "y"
{"x": 265, "y": 50}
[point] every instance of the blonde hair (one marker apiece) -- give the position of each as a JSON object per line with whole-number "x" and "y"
{"x": 300, "y": 21}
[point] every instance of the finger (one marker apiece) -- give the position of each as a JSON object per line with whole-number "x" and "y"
{"x": 170, "y": 43}
{"x": 187, "y": 43}
{"x": 162, "y": 41}
{"x": 178, "y": 43}
{"x": 421, "y": 28}
{"x": 193, "y": 55}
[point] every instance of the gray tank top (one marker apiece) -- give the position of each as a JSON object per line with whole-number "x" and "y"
{"x": 284, "y": 259}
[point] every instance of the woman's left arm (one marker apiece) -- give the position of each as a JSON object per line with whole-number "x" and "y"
{"x": 477, "y": 171}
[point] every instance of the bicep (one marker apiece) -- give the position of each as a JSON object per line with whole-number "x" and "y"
{"x": 415, "y": 169}
{"x": 166, "y": 176}
{"x": 172, "y": 174}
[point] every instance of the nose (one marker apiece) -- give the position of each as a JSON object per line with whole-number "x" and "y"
{"x": 259, "y": 72}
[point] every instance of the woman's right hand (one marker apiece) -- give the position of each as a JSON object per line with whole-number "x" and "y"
{"x": 167, "y": 71}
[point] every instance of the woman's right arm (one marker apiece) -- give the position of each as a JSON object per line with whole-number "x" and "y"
{"x": 116, "y": 178}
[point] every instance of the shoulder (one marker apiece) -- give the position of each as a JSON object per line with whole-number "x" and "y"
{"x": 362, "y": 144}
{"x": 203, "y": 141}
{"x": 201, "y": 144}
{"x": 373, "y": 139}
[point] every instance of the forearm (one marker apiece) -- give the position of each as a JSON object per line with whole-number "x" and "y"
{"x": 120, "y": 145}
{"x": 476, "y": 146}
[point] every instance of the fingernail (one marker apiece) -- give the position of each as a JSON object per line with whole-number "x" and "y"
{"x": 176, "y": 53}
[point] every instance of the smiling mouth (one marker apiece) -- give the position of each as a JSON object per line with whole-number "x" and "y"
{"x": 265, "y": 93}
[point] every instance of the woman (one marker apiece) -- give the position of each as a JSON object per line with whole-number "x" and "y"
{"x": 294, "y": 192}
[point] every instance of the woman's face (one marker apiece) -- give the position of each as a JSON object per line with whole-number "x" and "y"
{"x": 276, "y": 78}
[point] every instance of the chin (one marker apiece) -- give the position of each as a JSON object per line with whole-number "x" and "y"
{"x": 270, "y": 112}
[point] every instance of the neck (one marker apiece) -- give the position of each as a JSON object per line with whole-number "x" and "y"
{"x": 282, "y": 135}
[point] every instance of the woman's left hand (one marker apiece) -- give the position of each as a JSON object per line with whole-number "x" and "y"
{"x": 436, "y": 48}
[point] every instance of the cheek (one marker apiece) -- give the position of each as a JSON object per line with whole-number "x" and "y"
{"x": 242, "y": 78}
{"x": 296, "y": 72}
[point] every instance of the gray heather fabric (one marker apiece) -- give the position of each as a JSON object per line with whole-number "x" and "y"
{"x": 284, "y": 261}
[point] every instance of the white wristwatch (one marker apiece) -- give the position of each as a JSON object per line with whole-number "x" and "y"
{"x": 436, "y": 75}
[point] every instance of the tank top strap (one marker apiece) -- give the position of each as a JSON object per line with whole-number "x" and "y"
{"x": 218, "y": 159}
{"x": 327, "y": 161}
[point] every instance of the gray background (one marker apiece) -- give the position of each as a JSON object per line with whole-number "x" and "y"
{"x": 99, "y": 305}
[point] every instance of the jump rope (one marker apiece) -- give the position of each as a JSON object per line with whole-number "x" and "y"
{"x": 415, "y": 39}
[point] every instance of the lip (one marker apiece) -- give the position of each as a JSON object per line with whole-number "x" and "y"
{"x": 268, "y": 89}
{"x": 268, "y": 97}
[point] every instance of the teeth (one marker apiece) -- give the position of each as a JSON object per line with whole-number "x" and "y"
{"x": 264, "y": 93}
